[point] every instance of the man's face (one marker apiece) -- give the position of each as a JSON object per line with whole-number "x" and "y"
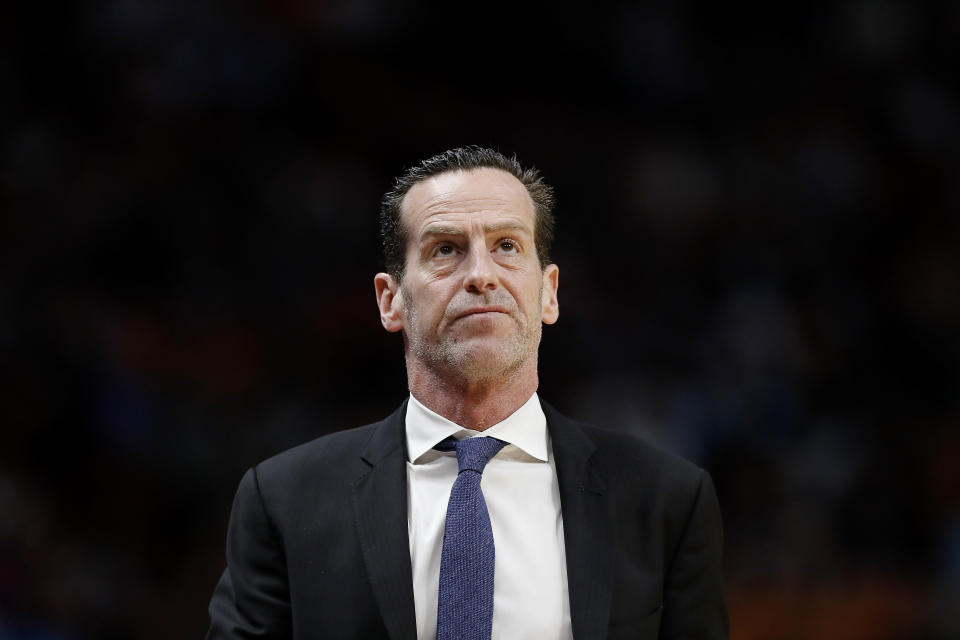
{"x": 473, "y": 295}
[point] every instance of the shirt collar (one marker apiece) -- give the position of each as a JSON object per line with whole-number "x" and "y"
{"x": 525, "y": 428}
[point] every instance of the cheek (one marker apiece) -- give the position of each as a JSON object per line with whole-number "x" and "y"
{"x": 528, "y": 301}
{"x": 432, "y": 302}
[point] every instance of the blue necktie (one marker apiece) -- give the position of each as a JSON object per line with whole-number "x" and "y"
{"x": 465, "y": 603}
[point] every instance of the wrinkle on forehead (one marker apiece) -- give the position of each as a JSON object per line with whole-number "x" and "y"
{"x": 473, "y": 191}
{"x": 449, "y": 203}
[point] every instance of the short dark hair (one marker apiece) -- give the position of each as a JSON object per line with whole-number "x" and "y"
{"x": 393, "y": 234}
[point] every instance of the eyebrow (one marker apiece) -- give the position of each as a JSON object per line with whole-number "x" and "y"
{"x": 441, "y": 230}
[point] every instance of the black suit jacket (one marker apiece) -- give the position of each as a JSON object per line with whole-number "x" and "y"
{"x": 317, "y": 544}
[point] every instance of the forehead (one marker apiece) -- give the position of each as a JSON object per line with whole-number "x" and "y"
{"x": 459, "y": 196}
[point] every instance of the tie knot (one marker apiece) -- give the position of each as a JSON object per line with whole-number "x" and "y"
{"x": 472, "y": 453}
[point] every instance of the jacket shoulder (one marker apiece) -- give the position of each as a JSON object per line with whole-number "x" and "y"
{"x": 629, "y": 450}
{"x": 336, "y": 458}
{"x": 626, "y": 456}
{"x": 333, "y": 448}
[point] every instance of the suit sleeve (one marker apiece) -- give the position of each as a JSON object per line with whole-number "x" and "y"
{"x": 252, "y": 599}
{"x": 695, "y": 606}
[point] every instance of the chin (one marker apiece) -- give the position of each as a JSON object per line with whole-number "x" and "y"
{"x": 478, "y": 363}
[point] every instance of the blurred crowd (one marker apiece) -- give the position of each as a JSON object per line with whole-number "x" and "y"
{"x": 759, "y": 253}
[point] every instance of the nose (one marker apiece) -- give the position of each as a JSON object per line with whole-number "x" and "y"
{"x": 481, "y": 271}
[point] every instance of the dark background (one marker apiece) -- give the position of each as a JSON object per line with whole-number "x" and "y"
{"x": 758, "y": 241}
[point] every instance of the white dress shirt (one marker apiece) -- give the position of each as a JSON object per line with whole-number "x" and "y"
{"x": 519, "y": 485}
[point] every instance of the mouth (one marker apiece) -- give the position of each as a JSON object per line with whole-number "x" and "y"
{"x": 482, "y": 311}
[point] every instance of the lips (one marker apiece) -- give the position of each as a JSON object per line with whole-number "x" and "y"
{"x": 481, "y": 310}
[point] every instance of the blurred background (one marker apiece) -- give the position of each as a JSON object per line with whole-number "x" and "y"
{"x": 758, "y": 241}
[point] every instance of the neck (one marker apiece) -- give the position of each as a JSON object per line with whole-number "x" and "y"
{"x": 473, "y": 404}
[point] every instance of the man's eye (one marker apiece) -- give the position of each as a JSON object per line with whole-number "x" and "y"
{"x": 444, "y": 250}
{"x": 508, "y": 246}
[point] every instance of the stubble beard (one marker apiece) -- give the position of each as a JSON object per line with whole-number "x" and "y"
{"x": 459, "y": 360}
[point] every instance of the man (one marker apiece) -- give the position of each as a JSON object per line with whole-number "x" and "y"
{"x": 388, "y": 531}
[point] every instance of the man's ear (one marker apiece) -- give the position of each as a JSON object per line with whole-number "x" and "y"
{"x": 388, "y": 299}
{"x": 551, "y": 306}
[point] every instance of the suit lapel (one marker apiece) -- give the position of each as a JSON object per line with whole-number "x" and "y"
{"x": 588, "y": 525}
{"x": 380, "y": 510}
